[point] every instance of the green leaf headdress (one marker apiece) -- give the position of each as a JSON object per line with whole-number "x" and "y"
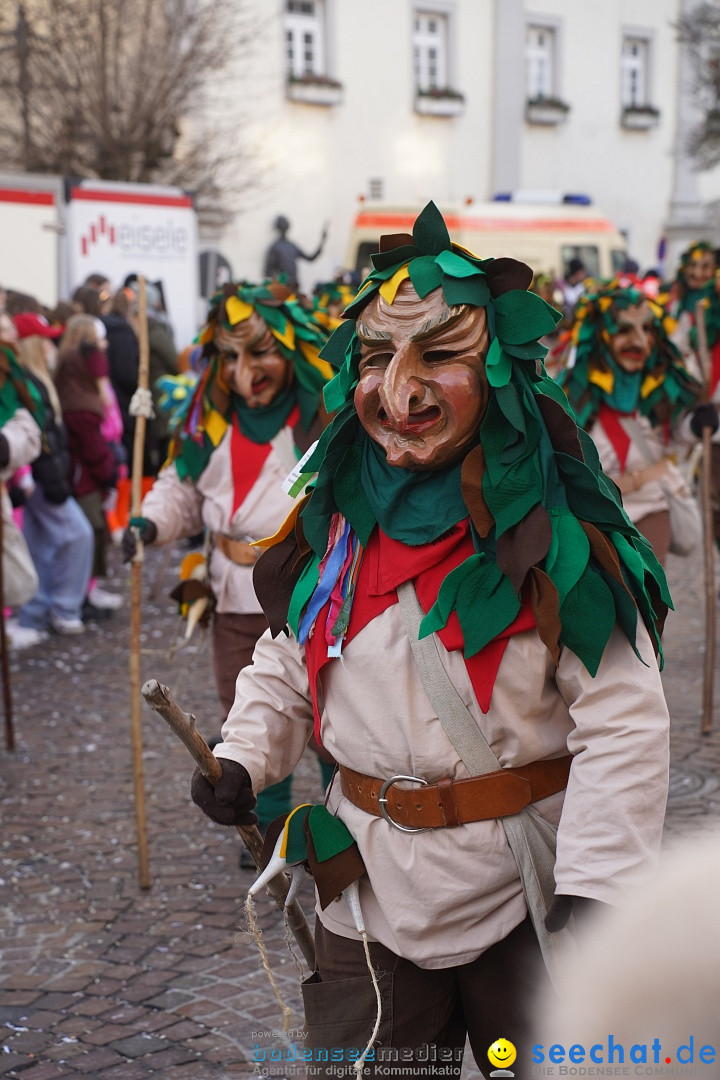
{"x": 299, "y": 338}
{"x": 546, "y": 522}
{"x": 665, "y": 390}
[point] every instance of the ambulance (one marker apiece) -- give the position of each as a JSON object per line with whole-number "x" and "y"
{"x": 546, "y": 232}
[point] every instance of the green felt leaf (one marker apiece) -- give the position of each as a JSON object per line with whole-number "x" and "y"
{"x": 335, "y": 347}
{"x": 523, "y": 316}
{"x": 360, "y": 302}
{"x": 336, "y": 391}
{"x": 498, "y": 365}
{"x": 486, "y": 606}
{"x": 510, "y": 405}
{"x": 522, "y": 492}
{"x": 430, "y": 231}
{"x": 587, "y": 637}
{"x": 532, "y": 350}
{"x": 296, "y": 847}
{"x": 425, "y": 275}
{"x": 568, "y": 554}
{"x": 451, "y": 585}
{"x": 302, "y": 593}
{"x": 350, "y": 497}
{"x": 625, "y": 609}
{"x": 329, "y": 834}
{"x": 395, "y": 257}
{"x": 469, "y": 290}
{"x": 456, "y": 265}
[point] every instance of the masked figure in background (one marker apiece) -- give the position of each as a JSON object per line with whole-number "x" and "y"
{"x": 698, "y": 281}
{"x": 629, "y": 389}
{"x": 256, "y": 409}
{"x": 460, "y": 582}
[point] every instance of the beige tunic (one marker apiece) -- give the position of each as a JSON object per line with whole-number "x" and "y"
{"x": 442, "y": 897}
{"x": 182, "y": 508}
{"x": 650, "y": 498}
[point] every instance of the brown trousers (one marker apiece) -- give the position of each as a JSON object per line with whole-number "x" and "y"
{"x": 233, "y": 639}
{"x": 426, "y": 1011}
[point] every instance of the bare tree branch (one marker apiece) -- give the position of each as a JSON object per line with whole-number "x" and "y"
{"x": 107, "y": 89}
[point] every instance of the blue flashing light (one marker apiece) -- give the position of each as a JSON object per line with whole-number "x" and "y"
{"x": 502, "y": 196}
{"x": 577, "y": 200}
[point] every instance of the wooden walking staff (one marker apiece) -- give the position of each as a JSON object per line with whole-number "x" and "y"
{"x": 183, "y": 724}
{"x": 136, "y": 591}
{"x": 7, "y": 693}
{"x": 708, "y": 530}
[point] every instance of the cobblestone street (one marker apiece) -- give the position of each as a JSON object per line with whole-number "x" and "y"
{"x": 100, "y": 978}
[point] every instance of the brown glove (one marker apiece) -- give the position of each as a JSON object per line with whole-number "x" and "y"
{"x": 231, "y": 801}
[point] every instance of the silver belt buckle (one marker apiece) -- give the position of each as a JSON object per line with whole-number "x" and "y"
{"x": 382, "y": 800}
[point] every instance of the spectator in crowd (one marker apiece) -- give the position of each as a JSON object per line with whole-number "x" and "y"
{"x": 20, "y": 443}
{"x": 123, "y": 358}
{"x": 58, "y": 534}
{"x": 163, "y": 361}
{"x": 94, "y": 469}
{"x": 573, "y": 287}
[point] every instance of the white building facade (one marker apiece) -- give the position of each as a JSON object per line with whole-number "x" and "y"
{"x": 456, "y": 100}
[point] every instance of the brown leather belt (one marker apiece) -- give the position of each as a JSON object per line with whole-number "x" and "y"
{"x": 238, "y": 551}
{"x": 456, "y": 802}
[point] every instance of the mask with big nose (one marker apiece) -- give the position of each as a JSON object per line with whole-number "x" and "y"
{"x": 422, "y": 389}
{"x": 253, "y": 366}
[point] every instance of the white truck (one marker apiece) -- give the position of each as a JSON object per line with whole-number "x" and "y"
{"x": 55, "y": 231}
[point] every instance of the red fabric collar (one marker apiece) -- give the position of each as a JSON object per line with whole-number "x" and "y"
{"x": 247, "y": 458}
{"x": 387, "y": 563}
{"x": 616, "y": 433}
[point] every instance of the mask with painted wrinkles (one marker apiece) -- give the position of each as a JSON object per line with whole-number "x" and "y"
{"x": 422, "y": 389}
{"x": 252, "y": 365}
{"x": 631, "y": 345}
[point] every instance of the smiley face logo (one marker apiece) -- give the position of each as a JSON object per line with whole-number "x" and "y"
{"x": 502, "y": 1053}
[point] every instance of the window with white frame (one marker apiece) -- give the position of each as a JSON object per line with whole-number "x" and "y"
{"x": 540, "y": 62}
{"x": 635, "y": 72}
{"x": 304, "y": 44}
{"x": 430, "y": 51}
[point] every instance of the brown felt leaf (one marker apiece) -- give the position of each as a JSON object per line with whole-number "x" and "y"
{"x": 390, "y": 241}
{"x": 185, "y": 592}
{"x": 524, "y": 545}
{"x": 546, "y": 609}
{"x": 280, "y": 293}
{"x": 275, "y": 575}
{"x": 603, "y": 551}
{"x": 473, "y": 469}
{"x": 335, "y": 874}
{"x": 274, "y": 829}
{"x": 506, "y": 274}
{"x": 562, "y": 429}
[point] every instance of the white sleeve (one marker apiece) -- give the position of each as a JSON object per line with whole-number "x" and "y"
{"x": 174, "y": 506}
{"x": 612, "y": 819}
{"x": 271, "y": 720}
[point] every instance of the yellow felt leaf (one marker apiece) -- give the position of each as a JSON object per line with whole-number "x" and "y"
{"x": 189, "y": 563}
{"x": 604, "y": 379}
{"x": 388, "y": 289}
{"x": 650, "y": 383}
{"x": 285, "y": 529}
{"x": 283, "y": 846}
{"x": 237, "y": 310}
{"x": 288, "y": 337}
{"x": 215, "y": 426}
{"x": 312, "y": 355}
{"x": 605, "y": 303}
